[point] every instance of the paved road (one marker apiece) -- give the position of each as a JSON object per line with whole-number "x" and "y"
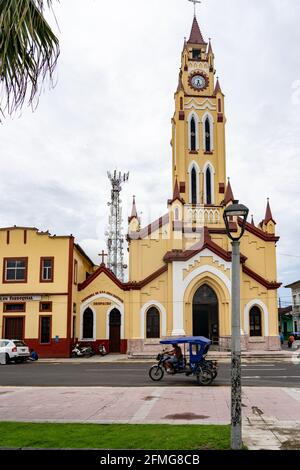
{"x": 136, "y": 375}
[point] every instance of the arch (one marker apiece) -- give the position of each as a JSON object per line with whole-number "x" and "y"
{"x": 193, "y": 131}
{"x": 206, "y": 313}
{"x": 265, "y": 319}
{"x": 163, "y": 317}
{"x": 185, "y": 289}
{"x": 208, "y": 128}
{"x": 88, "y": 324}
{"x": 153, "y": 323}
{"x": 209, "y": 183}
{"x": 255, "y": 318}
{"x": 194, "y": 184}
{"x": 115, "y": 303}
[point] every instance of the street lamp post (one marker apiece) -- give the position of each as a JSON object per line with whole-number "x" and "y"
{"x": 231, "y": 212}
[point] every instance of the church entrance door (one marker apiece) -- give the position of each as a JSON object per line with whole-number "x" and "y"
{"x": 115, "y": 331}
{"x": 206, "y": 314}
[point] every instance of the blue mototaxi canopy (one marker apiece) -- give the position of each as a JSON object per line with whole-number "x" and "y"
{"x": 188, "y": 340}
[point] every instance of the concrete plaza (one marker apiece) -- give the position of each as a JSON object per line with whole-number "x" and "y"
{"x": 271, "y": 415}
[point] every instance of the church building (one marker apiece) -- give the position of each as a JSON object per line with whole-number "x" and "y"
{"x": 179, "y": 266}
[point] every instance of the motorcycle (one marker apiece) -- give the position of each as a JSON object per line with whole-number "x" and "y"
{"x": 82, "y": 351}
{"x": 102, "y": 350}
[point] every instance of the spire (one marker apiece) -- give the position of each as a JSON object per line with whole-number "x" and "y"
{"x": 133, "y": 211}
{"x": 210, "y": 51}
{"x": 196, "y": 35}
{"x": 176, "y": 194}
{"x": 180, "y": 84}
{"x": 252, "y": 221}
{"x": 229, "y": 197}
{"x": 269, "y": 216}
{"x": 218, "y": 88}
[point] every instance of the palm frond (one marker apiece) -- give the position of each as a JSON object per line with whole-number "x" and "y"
{"x": 28, "y": 52}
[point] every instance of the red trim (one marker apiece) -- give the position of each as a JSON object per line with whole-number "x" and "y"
{"x": 178, "y": 255}
{"x": 4, "y": 270}
{"x": 269, "y": 285}
{"x": 259, "y": 233}
{"x": 53, "y": 349}
{"x": 40, "y": 328}
{"x": 70, "y": 289}
{"x": 125, "y": 286}
{"x": 46, "y": 258}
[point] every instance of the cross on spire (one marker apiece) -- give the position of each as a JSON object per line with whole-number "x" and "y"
{"x": 103, "y": 254}
{"x": 195, "y": 3}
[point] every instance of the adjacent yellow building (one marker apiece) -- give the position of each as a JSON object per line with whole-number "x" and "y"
{"x": 179, "y": 266}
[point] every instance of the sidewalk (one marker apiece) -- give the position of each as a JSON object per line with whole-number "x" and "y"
{"x": 271, "y": 416}
{"x": 247, "y": 356}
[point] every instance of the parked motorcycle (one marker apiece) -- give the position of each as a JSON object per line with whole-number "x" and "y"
{"x": 102, "y": 350}
{"x": 82, "y": 351}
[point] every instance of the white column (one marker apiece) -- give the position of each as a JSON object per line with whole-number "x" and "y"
{"x": 178, "y": 299}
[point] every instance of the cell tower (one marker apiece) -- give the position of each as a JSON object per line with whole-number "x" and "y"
{"x": 115, "y": 237}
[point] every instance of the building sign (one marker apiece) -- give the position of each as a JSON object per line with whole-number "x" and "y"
{"x": 99, "y": 294}
{"x": 20, "y": 298}
{"x": 102, "y": 303}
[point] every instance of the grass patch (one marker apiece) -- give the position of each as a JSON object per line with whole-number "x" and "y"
{"x": 114, "y": 436}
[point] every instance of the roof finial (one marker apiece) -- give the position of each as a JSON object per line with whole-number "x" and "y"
{"x": 195, "y": 2}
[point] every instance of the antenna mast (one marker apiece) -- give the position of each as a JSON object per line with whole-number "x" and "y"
{"x": 115, "y": 237}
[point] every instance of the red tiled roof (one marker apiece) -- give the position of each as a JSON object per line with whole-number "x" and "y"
{"x": 269, "y": 216}
{"x": 133, "y": 211}
{"x": 125, "y": 286}
{"x": 229, "y": 197}
{"x": 196, "y": 35}
{"x": 218, "y": 88}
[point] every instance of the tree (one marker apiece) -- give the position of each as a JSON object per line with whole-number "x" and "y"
{"x": 28, "y": 52}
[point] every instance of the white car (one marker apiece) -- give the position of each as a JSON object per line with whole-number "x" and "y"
{"x": 14, "y": 350}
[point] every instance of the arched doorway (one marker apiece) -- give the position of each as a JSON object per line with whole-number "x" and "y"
{"x": 115, "y": 331}
{"x": 153, "y": 323}
{"x": 206, "y": 313}
{"x": 88, "y": 324}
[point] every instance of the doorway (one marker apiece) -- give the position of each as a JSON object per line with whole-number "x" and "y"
{"x": 206, "y": 314}
{"x": 115, "y": 331}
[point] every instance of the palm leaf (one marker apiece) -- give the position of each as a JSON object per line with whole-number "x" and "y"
{"x": 28, "y": 52}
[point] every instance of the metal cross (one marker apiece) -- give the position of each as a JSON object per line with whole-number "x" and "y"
{"x": 195, "y": 2}
{"x": 103, "y": 254}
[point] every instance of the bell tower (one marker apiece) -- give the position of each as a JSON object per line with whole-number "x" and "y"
{"x": 198, "y": 125}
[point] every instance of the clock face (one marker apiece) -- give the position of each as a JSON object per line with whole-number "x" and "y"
{"x": 198, "y": 81}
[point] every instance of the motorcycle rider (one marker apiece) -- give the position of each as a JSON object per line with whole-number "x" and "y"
{"x": 176, "y": 356}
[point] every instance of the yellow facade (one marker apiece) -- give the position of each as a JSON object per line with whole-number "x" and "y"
{"x": 179, "y": 266}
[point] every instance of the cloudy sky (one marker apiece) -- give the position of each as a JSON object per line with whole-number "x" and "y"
{"x": 112, "y": 105}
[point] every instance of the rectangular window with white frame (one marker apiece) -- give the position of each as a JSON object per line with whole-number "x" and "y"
{"x": 47, "y": 269}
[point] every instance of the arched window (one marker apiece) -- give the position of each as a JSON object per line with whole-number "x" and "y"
{"x": 255, "y": 322}
{"x": 153, "y": 323}
{"x": 193, "y": 134}
{"x": 208, "y": 176}
{"x": 207, "y": 135}
{"x": 194, "y": 186}
{"x": 176, "y": 213}
{"x": 88, "y": 324}
{"x": 181, "y": 104}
